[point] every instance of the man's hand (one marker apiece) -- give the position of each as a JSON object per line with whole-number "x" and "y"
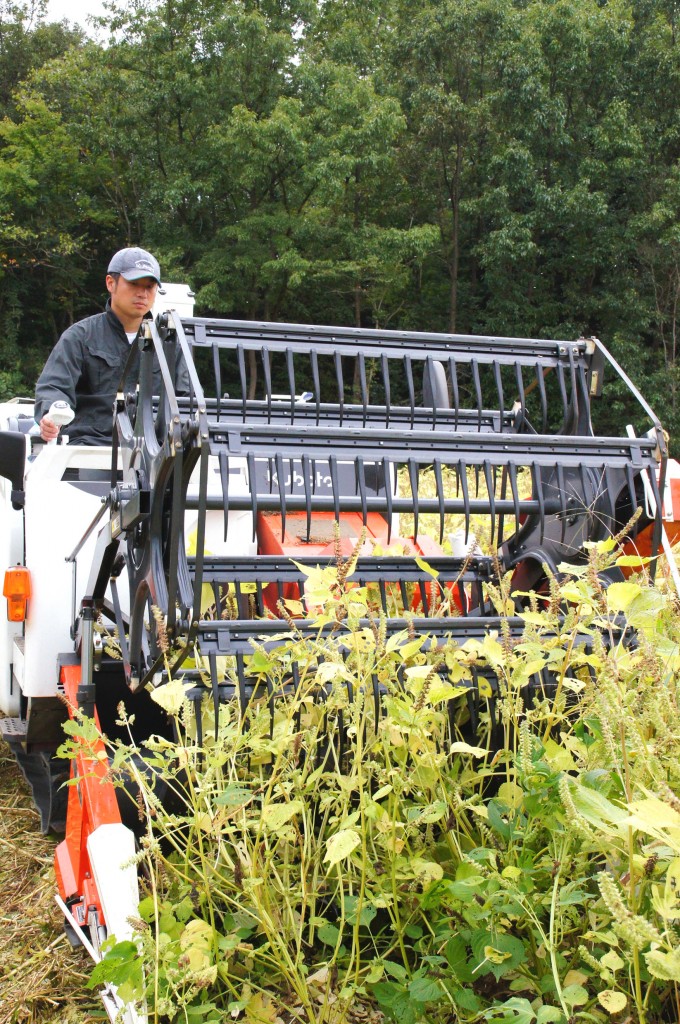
{"x": 49, "y": 431}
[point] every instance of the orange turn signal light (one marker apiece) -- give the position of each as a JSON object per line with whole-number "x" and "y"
{"x": 17, "y": 590}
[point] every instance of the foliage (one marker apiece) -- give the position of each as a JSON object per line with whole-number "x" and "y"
{"x": 485, "y": 166}
{"x": 351, "y": 839}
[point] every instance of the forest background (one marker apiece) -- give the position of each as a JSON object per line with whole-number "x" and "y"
{"x": 476, "y": 166}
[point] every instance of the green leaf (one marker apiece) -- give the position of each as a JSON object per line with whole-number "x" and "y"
{"x": 506, "y": 952}
{"x": 424, "y": 990}
{"x": 340, "y": 845}
{"x": 512, "y": 1011}
{"x": 613, "y": 1002}
{"x": 575, "y": 995}
{"x": 233, "y": 796}
{"x": 422, "y": 564}
{"x": 275, "y": 816}
{"x": 456, "y": 954}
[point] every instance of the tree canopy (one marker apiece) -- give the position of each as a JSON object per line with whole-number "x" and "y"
{"x": 478, "y": 166}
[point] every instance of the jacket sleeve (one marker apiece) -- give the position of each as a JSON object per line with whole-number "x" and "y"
{"x": 61, "y": 373}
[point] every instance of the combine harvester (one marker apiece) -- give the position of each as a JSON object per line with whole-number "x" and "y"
{"x": 222, "y": 487}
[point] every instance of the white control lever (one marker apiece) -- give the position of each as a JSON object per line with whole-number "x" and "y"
{"x": 60, "y": 414}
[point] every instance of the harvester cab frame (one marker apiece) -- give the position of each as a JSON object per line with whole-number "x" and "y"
{"x": 295, "y": 446}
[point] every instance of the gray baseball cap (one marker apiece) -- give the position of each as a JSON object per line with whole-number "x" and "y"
{"x": 134, "y": 263}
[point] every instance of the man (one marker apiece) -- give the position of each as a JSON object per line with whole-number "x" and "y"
{"x": 85, "y": 367}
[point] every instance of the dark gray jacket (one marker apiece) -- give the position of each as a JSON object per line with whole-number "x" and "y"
{"x": 84, "y": 369}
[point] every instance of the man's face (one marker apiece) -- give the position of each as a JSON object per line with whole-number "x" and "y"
{"x": 131, "y": 300}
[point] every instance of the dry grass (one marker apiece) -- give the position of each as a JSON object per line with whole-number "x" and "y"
{"x": 42, "y": 979}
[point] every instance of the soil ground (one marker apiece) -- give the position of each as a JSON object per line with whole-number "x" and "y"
{"x": 42, "y": 979}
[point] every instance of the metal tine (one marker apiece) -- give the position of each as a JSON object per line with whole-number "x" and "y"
{"x": 584, "y": 391}
{"x": 241, "y": 677}
{"x": 403, "y": 592}
{"x": 252, "y": 483}
{"x": 472, "y": 698}
{"x": 584, "y": 488}
{"x": 563, "y": 494}
{"x": 290, "y": 369}
{"x": 477, "y": 471}
{"x": 268, "y": 389}
{"x": 218, "y": 378}
{"x": 375, "y": 686}
{"x": 413, "y": 480}
{"x": 542, "y": 395}
{"x": 333, "y": 467}
{"x": 630, "y": 481}
{"x": 408, "y": 367}
{"x": 363, "y": 385}
{"x": 455, "y": 393}
{"x": 489, "y": 477}
{"x": 241, "y": 359}
{"x": 537, "y": 488}
{"x": 563, "y": 388}
{"x": 308, "y": 494}
{"x": 519, "y": 379}
{"x": 385, "y": 367}
{"x": 223, "y": 463}
{"x": 423, "y": 598}
{"x": 314, "y": 356}
{"x": 474, "y": 365}
{"x": 282, "y": 490}
{"x": 609, "y": 485}
{"x": 572, "y": 379}
{"x": 655, "y": 493}
{"x": 382, "y": 590}
{"x": 462, "y": 597}
{"x": 216, "y": 594}
{"x": 212, "y": 660}
{"x": 270, "y": 705}
{"x": 462, "y": 476}
{"x": 439, "y": 482}
{"x": 499, "y": 388}
{"x": 337, "y": 358}
{"x": 515, "y": 493}
{"x": 361, "y": 481}
{"x": 388, "y": 496}
{"x": 429, "y": 370}
{"x": 196, "y": 701}
{"x": 259, "y": 598}
{"x": 504, "y": 491}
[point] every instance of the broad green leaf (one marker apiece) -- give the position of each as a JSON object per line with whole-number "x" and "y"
{"x": 424, "y": 990}
{"x": 426, "y": 871}
{"x": 633, "y": 561}
{"x": 493, "y": 652}
{"x": 340, "y": 845}
{"x": 665, "y": 966}
{"x": 575, "y": 995}
{"x": 598, "y": 810}
{"x": 233, "y": 796}
{"x": 170, "y": 697}
{"x": 612, "y": 961}
{"x": 484, "y": 687}
{"x": 408, "y": 650}
{"x": 511, "y": 794}
{"x": 613, "y": 1002}
{"x": 549, "y": 1015}
{"x": 620, "y": 595}
{"x": 275, "y": 816}
{"x": 459, "y": 747}
{"x": 557, "y": 756}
